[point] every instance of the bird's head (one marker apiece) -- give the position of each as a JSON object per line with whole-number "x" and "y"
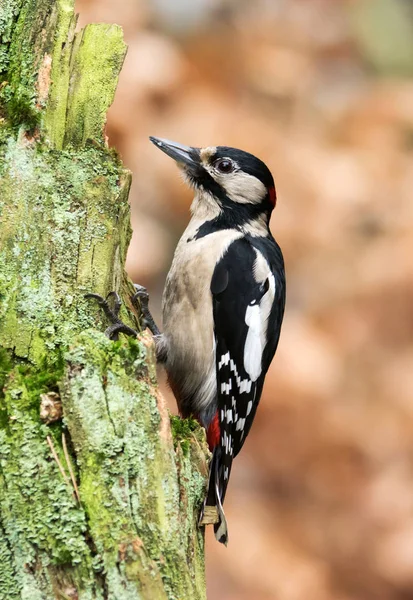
{"x": 234, "y": 180}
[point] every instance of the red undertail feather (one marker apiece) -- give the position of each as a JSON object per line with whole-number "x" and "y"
{"x": 213, "y": 432}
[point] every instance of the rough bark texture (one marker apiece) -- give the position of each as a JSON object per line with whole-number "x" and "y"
{"x": 64, "y": 232}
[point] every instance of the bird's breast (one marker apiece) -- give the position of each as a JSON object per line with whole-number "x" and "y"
{"x": 187, "y": 305}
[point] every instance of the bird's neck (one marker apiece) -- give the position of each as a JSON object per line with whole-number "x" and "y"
{"x": 209, "y": 216}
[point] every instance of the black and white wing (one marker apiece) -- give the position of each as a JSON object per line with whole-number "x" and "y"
{"x": 248, "y": 290}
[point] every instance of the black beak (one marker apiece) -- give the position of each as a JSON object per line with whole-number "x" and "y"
{"x": 184, "y": 155}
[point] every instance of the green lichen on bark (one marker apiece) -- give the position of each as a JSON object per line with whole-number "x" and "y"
{"x": 9, "y": 10}
{"x": 130, "y": 482}
{"x": 57, "y": 75}
{"x": 26, "y": 35}
{"x": 139, "y": 497}
{"x": 64, "y": 215}
{"x": 93, "y": 81}
{"x": 8, "y": 585}
{"x": 41, "y": 522}
{"x": 64, "y": 232}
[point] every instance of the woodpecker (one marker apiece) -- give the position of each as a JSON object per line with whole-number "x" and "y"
{"x": 223, "y": 303}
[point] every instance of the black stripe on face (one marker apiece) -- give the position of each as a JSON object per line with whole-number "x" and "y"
{"x": 248, "y": 163}
{"x": 200, "y": 178}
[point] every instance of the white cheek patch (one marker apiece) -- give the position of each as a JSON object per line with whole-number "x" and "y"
{"x": 242, "y": 187}
{"x": 239, "y": 186}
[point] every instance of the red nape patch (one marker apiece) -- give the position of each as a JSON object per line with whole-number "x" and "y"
{"x": 273, "y": 196}
{"x": 213, "y": 432}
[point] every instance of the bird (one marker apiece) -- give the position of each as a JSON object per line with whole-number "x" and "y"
{"x": 223, "y": 304}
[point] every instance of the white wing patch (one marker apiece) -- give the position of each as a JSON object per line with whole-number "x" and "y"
{"x": 253, "y": 344}
{"x": 256, "y": 317}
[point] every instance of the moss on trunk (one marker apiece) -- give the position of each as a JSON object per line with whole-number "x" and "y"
{"x": 129, "y": 529}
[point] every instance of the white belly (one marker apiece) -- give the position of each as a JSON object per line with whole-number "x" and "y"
{"x": 187, "y": 313}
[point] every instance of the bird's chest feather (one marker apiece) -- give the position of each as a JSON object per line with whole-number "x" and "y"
{"x": 187, "y": 300}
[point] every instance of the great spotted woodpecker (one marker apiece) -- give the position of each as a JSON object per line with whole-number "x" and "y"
{"x": 223, "y": 303}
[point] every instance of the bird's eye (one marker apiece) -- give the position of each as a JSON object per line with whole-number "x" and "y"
{"x": 224, "y": 165}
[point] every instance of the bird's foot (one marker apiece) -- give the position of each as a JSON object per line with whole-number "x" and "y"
{"x": 140, "y": 301}
{"x": 112, "y": 313}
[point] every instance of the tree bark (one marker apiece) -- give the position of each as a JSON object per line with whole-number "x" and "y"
{"x": 100, "y": 502}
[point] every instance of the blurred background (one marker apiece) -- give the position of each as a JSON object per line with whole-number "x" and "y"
{"x": 320, "y": 504}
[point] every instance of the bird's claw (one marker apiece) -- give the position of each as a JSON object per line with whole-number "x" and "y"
{"x": 140, "y": 300}
{"x": 112, "y": 313}
{"x": 141, "y": 294}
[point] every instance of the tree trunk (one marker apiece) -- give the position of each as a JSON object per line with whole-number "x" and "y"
{"x": 102, "y": 501}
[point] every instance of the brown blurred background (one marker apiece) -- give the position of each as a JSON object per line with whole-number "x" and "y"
{"x": 320, "y": 505}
